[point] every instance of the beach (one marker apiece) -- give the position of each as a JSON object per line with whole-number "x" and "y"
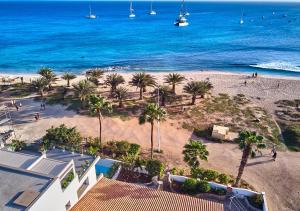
{"x": 263, "y": 91}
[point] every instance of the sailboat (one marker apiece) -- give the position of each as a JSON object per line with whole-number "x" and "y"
{"x": 181, "y": 20}
{"x": 242, "y": 18}
{"x": 152, "y": 12}
{"x": 91, "y": 15}
{"x": 131, "y": 14}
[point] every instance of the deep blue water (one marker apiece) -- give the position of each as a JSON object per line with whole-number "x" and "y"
{"x": 57, "y": 34}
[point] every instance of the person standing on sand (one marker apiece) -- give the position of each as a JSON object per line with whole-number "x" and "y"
{"x": 278, "y": 85}
{"x": 245, "y": 83}
{"x": 255, "y": 74}
{"x": 274, "y": 156}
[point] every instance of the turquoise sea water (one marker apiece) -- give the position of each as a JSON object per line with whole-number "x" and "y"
{"x": 57, "y": 35}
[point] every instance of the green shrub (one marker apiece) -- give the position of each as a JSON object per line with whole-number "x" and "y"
{"x": 123, "y": 148}
{"x": 62, "y": 136}
{"x": 154, "y": 168}
{"x": 174, "y": 170}
{"x": 198, "y": 172}
{"x": 210, "y": 175}
{"x": 92, "y": 150}
{"x": 223, "y": 179}
{"x": 134, "y": 149}
{"x": 67, "y": 180}
{"x": 203, "y": 186}
{"x": 113, "y": 170}
{"x": 219, "y": 191}
{"x": 190, "y": 186}
{"x": 292, "y": 137}
{"x": 17, "y": 145}
{"x": 257, "y": 201}
{"x": 181, "y": 172}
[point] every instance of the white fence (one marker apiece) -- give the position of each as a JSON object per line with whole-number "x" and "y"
{"x": 236, "y": 191}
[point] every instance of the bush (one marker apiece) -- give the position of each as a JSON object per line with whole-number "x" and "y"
{"x": 181, "y": 172}
{"x": 203, "y": 186}
{"x": 219, "y": 191}
{"x": 154, "y": 168}
{"x": 17, "y": 145}
{"x": 174, "y": 170}
{"x": 92, "y": 150}
{"x": 257, "y": 201}
{"x": 210, "y": 175}
{"x": 123, "y": 148}
{"x": 62, "y": 136}
{"x": 292, "y": 137}
{"x": 190, "y": 186}
{"x": 197, "y": 172}
{"x": 223, "y": 179}
{"x": 134, "y": 149}
{"x": 67, "y": 180}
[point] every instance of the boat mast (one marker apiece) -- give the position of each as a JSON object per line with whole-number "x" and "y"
{"x": 90, "y": 9}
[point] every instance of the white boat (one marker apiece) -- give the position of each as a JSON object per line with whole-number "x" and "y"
{"x": 131, "y": 14}
{"x": 91, "y": 15}
{"x": 181, "y": 20}
{"x": 152, "y": 12}
{"x": 242, "y": 19}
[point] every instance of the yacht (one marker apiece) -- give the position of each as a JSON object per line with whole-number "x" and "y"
{"x": 181, "y": 20}
{"x": 152, "y": 12}
{"x": 242, "y": 19}
{"x": 131, "y": 14}
{"x": 91, "y": 15}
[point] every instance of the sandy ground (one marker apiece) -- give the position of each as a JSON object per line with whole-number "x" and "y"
{"x": 280, "y": 180}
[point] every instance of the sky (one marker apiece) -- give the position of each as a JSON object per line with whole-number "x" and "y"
{"x": 174, "y": 0}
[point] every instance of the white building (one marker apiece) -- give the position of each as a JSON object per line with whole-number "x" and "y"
{"x": 52, "y": 181}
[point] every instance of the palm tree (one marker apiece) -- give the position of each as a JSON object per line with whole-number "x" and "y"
{"x": 247, "y": 141}
{"x": 174, "y": 79}
{"x": 152, "y": 113}
{"x": 49, "y": 75}
{"x": 83, "y": 90}
{"x": 113, "y": 80}
{"x": 94, "y": 75}
{"x": 141, "y": 81}
{"x": 196, "y": 88}
{"x": 165, "y": 93}
{"x": 193, "y": 152}
{"x": 121, "y": 94}
{"x": 40, "y": 85}
{"x": 98, "y": 104}
{"x": 68, "y": 77}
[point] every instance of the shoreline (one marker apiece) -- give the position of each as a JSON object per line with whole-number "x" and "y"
{"x": 188, "y": 72}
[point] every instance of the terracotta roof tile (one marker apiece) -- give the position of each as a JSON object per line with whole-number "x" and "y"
{"x": 112, "y": 195}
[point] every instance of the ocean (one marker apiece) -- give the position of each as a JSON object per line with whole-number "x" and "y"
{"x": 57, "y": 35}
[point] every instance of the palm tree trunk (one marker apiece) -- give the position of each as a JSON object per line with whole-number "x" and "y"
{"x": 152, "y": 126}
{"x": 120, "y": 103}
{"x": 163, "y": 101}
{"x": 173, "y": 88}
{"x": 100, "y": 130}
{"x": 193, "y": 99}
{"x": 68, "y": 83}
{"x": 141, "y": 93}
{"x": 42, "y": 93}
{"x": 245, "y": 156}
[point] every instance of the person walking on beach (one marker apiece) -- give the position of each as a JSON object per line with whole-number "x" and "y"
{"x": 255, "y": 74}
{"x": 278, "y": 85}
{"x": 274, "y": 156}
{"x": 17, "y": 107}
{"x": 245, "y": 83}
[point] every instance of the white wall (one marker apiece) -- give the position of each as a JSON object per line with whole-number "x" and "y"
{"x": 55, "y": 199}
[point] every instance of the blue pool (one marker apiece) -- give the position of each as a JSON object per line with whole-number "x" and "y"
{"x": 103, "y": 166}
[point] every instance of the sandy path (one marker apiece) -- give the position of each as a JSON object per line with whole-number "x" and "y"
{"x": 280, "y": 179}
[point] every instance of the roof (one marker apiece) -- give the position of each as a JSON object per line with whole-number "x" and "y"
{"x": 66, "y": 156}
{"x": 17, "y": 160}
{"x": 49, "y": 167}
{"x": 14, "y": 183}
{"x": 113, "y": 195}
